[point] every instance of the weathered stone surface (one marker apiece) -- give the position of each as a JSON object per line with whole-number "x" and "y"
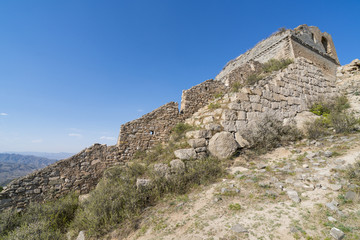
{"x": 337, "y": 233}
{"x": 223, "y": 145}
{"x": 293, "y": 195}
{"x": 143, "y": 183}
{"x": 185, "y": 154}
{"x": 241, "y": 141}
{"x": 198, "y": 134}
{"x": 350, "y": 196}
{"x": 81, "y": 236}
{"x": 213, "y": 127}
{"x": 238, "y": 228}
{"x": 177, "y": 166}
{"x": 161, "y": 169}
{"x": 196, "y": 143}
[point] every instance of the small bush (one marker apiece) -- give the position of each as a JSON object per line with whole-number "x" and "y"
{"x": 1, "y": 188}
{"x": 236, "y": 86}
{"x": 353, "y": 172}
{"x": 218, "y": 95}
{"x": 276, "y": 65}
{"x": 333, "y": 115}
{"x": 48, "y": 220}
{"x": 214, "y": 106}
{"x": 343, "y": 122}
{"x": 9, "y": 220}
{"x": 316, "y": 129}
{"x": 270, "y": 133}
{"x": 235, "y": 207}
{"x": 181, "y": 128}
{"x": 117, "y": 199}
{"x": 254, "y": 78}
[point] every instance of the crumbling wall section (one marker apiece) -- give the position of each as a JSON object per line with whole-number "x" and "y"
{"x": 199, "y": 96}
{"x": 150, "y": 129}
{"x": 276, "y": 46}
{"x": 79, "y": 173}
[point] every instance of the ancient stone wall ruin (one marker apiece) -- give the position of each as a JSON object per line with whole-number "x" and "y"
{"x": 79, "y": 173}
{"x": 283, "y": 94}
{"x": 144, "y": 132}
{"x": 303, "y": 41}
{"x": 199, "y": 96}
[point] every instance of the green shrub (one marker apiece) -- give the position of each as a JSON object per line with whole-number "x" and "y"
{"x": 333, "y": 115}
{"x": 214, "y": 105}
{"x": 1, "y": 188}
{"x": 236, "y": 86}
{"x": 40, "y": 220}
{"x": 116, "y": 198}
{"x": 254, "y": 78}
{"x": 181, "y": 128}
{"x": 317, "y": 128}
{"x": 35, "y": 231}
{"x": 276, "y": 65}
{"x": 9, "y": 220}
{"x": 343, "y": 122}
{"x": 269, "y": 133}
{"x": 218, "y": 95}
{"x": 353, "y": 172}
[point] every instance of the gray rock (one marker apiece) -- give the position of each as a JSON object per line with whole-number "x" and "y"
{"x": 337, "y": 233}
{"x": 293, "y": 195}
{"x": 198, "y": 134}
{"x": 331, "y": 219}
{"x": 238, "y": 228}
{"x": 223, "y": 145}
{"x": 331, "y": 206}
{"x": 143, "y": 184}
{"x": 350, "y": 196}
{"x": 213, "y": 127}
{"x": 81, "y": 236}
{"x": 241, "y": 141}
{"x": 196, "y": 143}
{"x": 161, "y": 169}
{"x": 328, "y": 154}
{"x": 177, "y": 166}
{"x": 185, "y": 154}
{"x": 200, "y": 149}
{"x": 335, "y": 187}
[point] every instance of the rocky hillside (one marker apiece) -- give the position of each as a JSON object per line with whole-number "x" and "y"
{"x": 15, "y": 165}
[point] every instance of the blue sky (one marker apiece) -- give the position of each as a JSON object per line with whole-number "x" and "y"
{"x": 71, "y": 72}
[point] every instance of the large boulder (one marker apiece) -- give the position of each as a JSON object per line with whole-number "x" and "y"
{"x": 177, "y": 166}
{"x": 223, "y": 145}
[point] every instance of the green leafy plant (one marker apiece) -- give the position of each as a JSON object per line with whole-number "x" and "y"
{"x": 275, "y": 65}
{"x": 214, "y": 105}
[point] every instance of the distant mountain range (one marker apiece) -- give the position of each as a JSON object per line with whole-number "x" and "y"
{"x": 56, "y": 156}
{"x": 15, "y": 165}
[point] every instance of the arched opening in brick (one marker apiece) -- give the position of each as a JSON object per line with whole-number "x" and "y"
{"x": 151, "y": 132}
{"x": 324, "y": 42}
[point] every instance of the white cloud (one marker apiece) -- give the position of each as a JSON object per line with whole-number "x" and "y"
{"x": 37, "y": 140}
{"x": 78, "y": 135}
{"x": 3, "y": 114}
{"x": 140, "y": 110}
{"x": 107, "y": 138}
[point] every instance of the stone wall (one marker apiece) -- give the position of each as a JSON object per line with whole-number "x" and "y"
{"x": 79, "y": 173}
{"x": 276, "y": 46}
{"x": 283, "y": 94}
{"x": 144, "y": 132}
{"x": 303, "y": 41}
{"x": 198, "y": 96}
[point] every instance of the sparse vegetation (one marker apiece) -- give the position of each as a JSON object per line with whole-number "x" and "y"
{"x": 214, "y": 105}
{"x": 275, "y": 65}
{"x": 353, "y": 172}
{"x": 235, "y": 207}
{"x": 39, "y": 221}
{"x": 116, "y": 198}
{"x": 218, "y": 95}
{"x": 333, "y": 115}
{"x": 270, "y": 133}
{"x": 267, "y": 68}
